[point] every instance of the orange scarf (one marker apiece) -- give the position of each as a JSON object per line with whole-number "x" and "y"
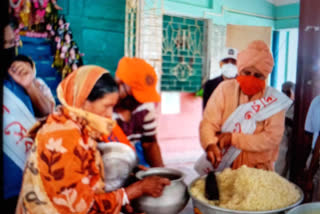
{"x": 64, "y": 172}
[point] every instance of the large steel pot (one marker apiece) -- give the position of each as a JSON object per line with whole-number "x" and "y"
{"x": 204, "y": 208}
{"x": 174, "y": 197}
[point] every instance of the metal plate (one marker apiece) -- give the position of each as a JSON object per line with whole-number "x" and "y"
{"x": 306, "y": 208}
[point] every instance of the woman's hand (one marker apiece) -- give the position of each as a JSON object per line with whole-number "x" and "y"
{"x": 224, "y": 140}
{"x": 22, "y": 73}
{"x": 214, "y": 155}
{"x": 152, "y": 186}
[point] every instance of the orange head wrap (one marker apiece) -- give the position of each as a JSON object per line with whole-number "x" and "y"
{"x": 257, "y": 55}
{"x": 74, "y": 90}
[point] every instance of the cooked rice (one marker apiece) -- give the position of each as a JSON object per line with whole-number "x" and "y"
{"x": 250, "y": 189}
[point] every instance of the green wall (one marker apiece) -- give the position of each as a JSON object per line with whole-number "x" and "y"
{"x": 98, "y": 28}
{"x": 292, "y": 12}
{"x": 212, "y": 9}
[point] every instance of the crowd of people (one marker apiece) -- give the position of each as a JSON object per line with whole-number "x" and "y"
{"x": 51, "y": 160}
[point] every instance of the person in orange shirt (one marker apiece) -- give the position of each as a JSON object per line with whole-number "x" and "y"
{"x": 258, "y": 149}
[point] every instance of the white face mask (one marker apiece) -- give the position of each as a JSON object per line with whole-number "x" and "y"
{"x": 229, "y": 70}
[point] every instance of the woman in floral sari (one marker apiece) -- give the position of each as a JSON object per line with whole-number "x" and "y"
{"x": 64, "y": 172}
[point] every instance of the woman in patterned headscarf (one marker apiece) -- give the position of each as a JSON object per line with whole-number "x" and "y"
{"x": 64, "y": 172}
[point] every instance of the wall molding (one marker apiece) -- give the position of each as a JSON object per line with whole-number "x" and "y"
{"x": 283, "y": 2}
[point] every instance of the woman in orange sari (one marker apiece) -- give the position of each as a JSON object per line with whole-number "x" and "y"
{"x": 64, "y": 172}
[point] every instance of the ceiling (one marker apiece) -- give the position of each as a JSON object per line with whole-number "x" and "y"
{"x": 283, "y": 2}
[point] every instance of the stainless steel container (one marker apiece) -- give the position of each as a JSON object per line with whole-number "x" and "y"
{"x": 119, "y": 161}
{"x": 309, "y": 208}
{"x": 204, "y": 208}
{"x": 174, "y": 197}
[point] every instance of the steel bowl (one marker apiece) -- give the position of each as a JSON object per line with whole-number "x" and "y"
{"x": 174, "y": 197}
{"x": 119, "y": 161}
{"x": 201, "y": 207}
{"x": 309, "y": 208}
